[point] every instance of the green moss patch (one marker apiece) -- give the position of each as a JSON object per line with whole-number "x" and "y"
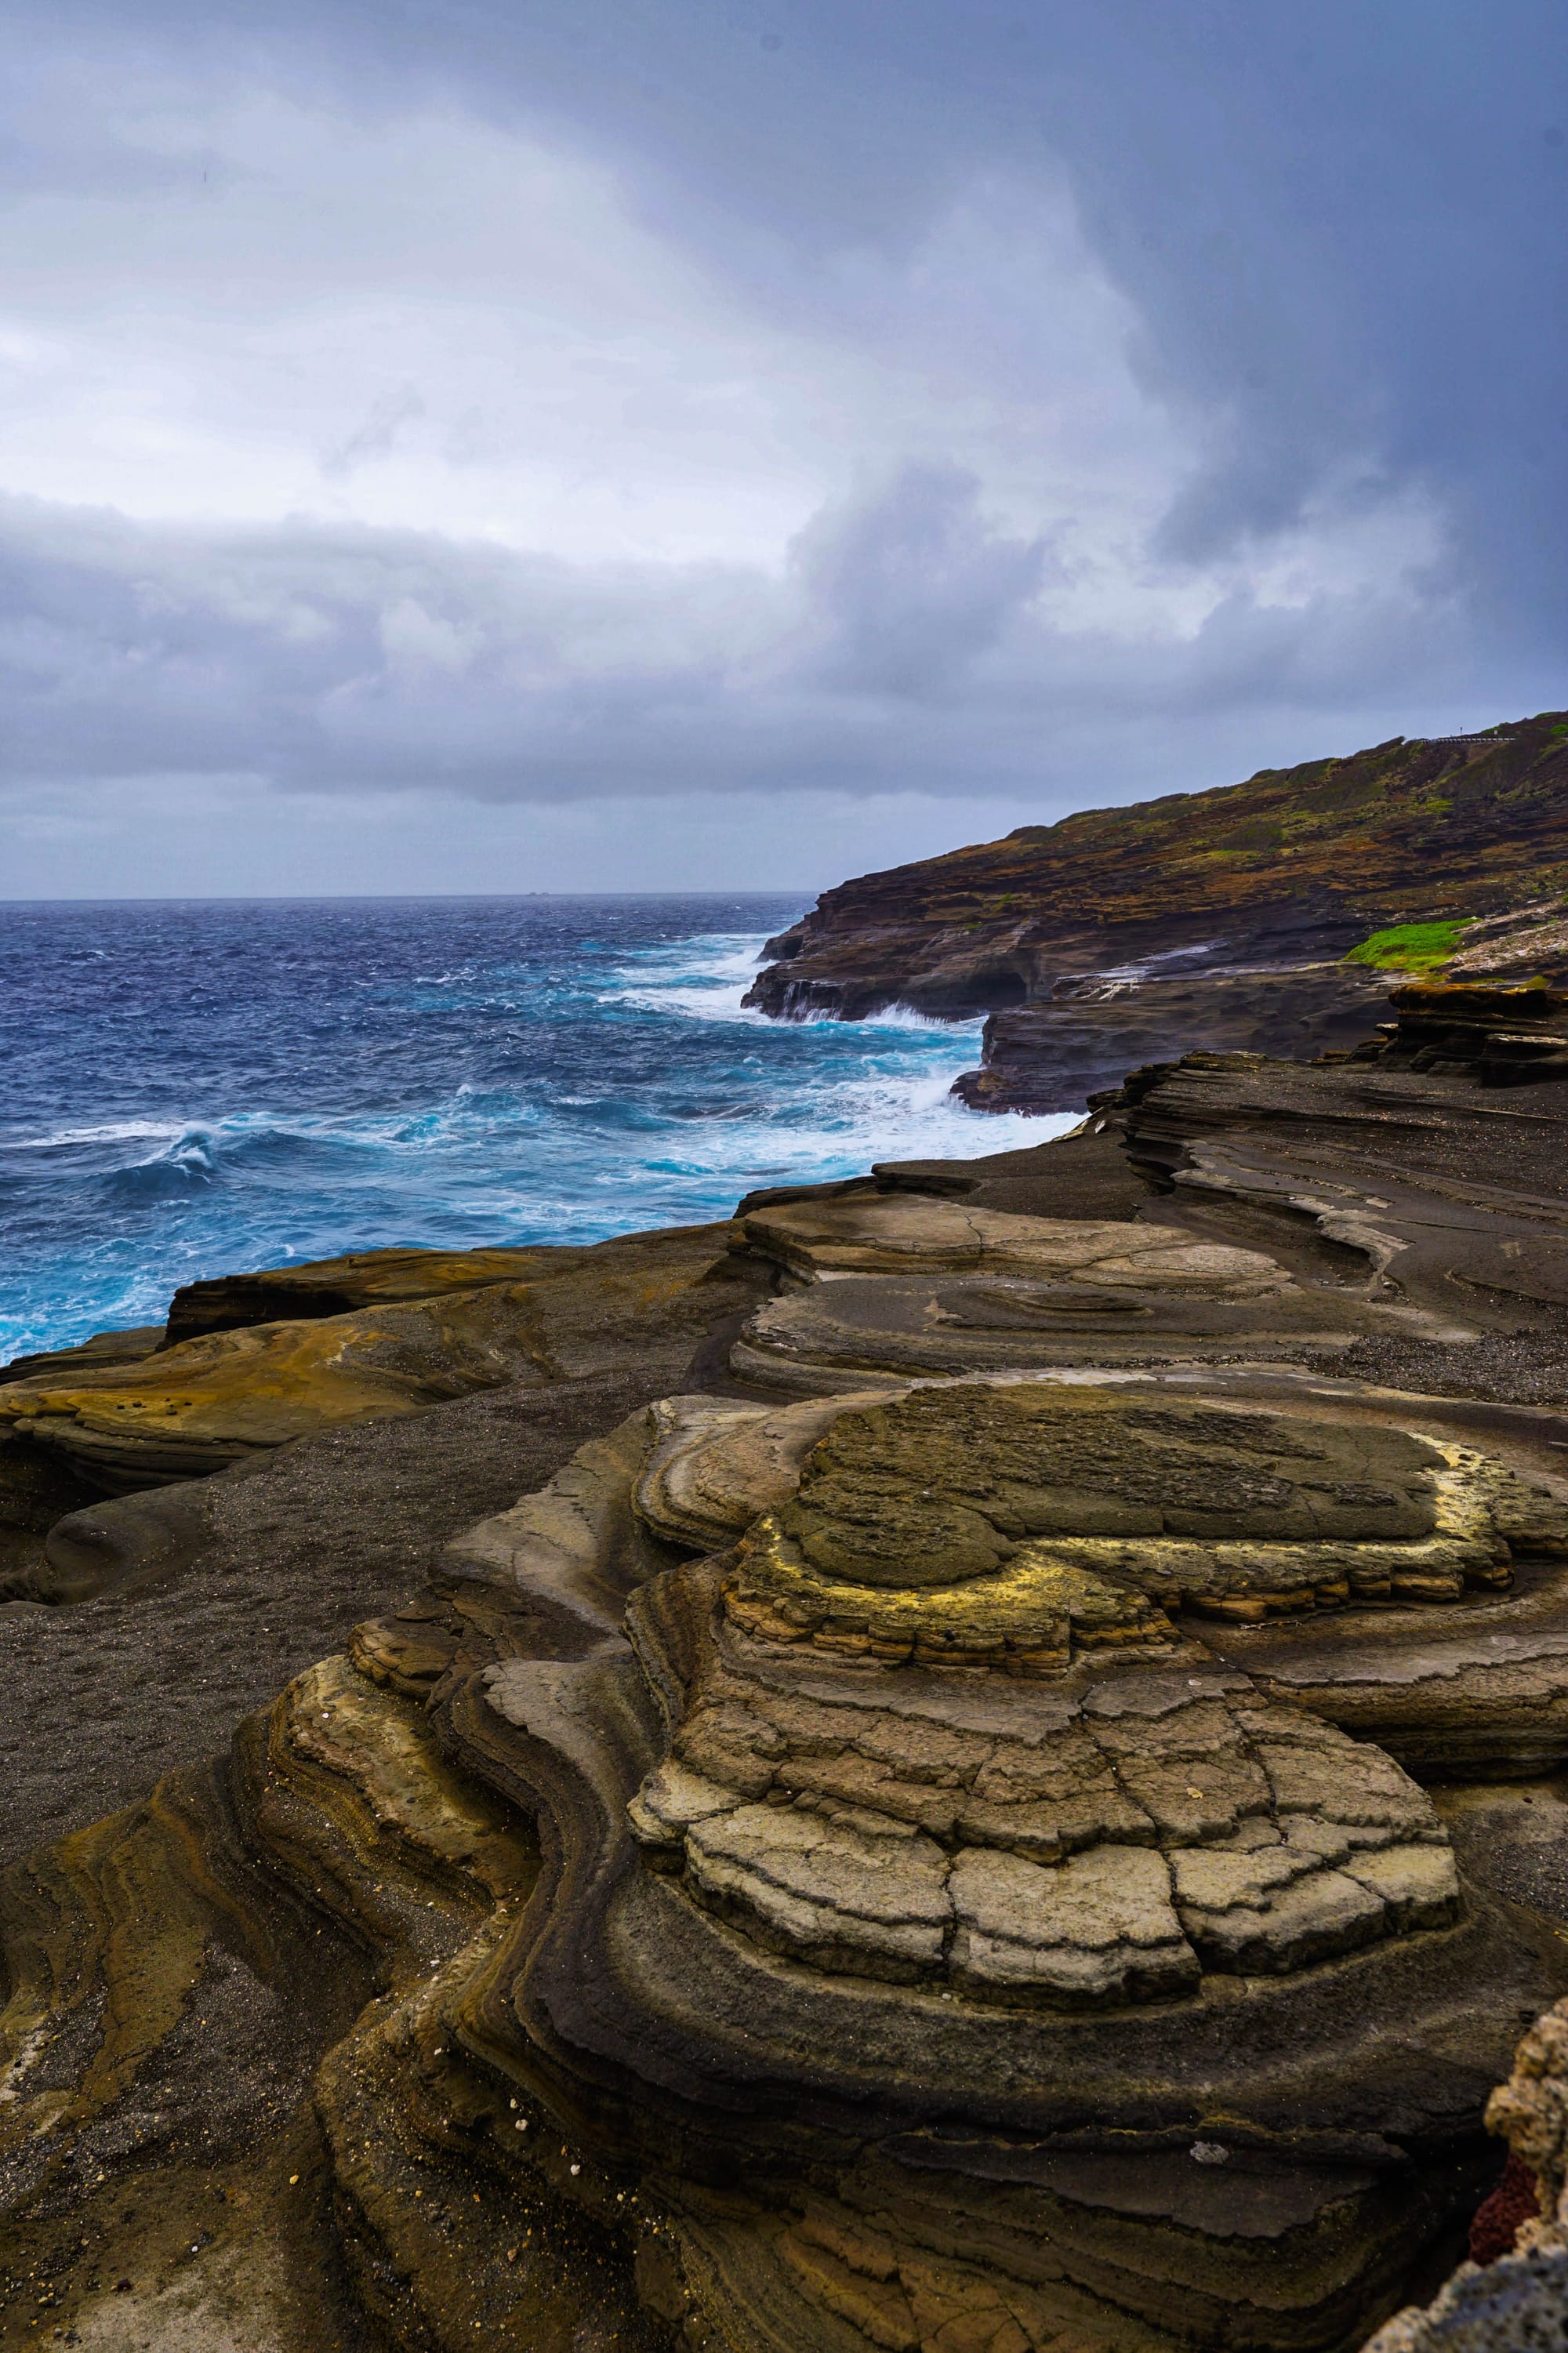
{"x": 1410, "y": 948}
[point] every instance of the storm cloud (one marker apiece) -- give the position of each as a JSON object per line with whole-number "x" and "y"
{"x": 611, "y": 414}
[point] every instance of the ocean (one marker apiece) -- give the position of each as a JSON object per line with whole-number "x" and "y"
{"x": 196, "y": 1087}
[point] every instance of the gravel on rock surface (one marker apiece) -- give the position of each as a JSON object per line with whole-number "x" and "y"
{"x": 103, "y": 1698}
{"x": 1508, "y": 1367}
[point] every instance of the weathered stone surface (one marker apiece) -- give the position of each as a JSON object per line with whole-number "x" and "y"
{"x": 943, "y": 1866}
{"x": 940, "y": 1485}
{"x": 1518, "y": 2303}
{"x": 1101, "y": 1844}
{"x": 214, "y": 1401}
{"x": 889, "y": 1235}
{"x": 716, "y": 1465}
{"x": 337, "y": 1286}
{"x": 904, "y": 1287}
{"x": 1451, "y": 1194}
{"x": 1307, "y": 1844}
{"x": 1008, "y": 1870}
{"x": 862, "y": 1332}
{"x": 1083, "y": 1174}
{"x": 173, "y": 1613}
{"x": 1401, "y": 832}
{"x": 36, "y": 1491}
{"x": 1053, "y": 1055}
{"x": 1524, "y": 944}
{"x": 211, "y": 1400}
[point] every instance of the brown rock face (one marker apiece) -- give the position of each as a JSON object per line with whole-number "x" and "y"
{"x": 1053, "y": 1056}
{"x": 283, "y": 1354}
{"x": 1403, "y": 832}
{"x": 1501, "y": 1035}
{"x": 1513, "y": 2298}
{"x": 898, "y": 1285}
{"x": 1122, "y": 936}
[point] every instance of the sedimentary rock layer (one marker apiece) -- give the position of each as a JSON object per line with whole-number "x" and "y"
{"x": 1447, "y": 1193}
{"x": 1219, "y": 921}
{"x": 241, "y": 1387}
{"x": 1052, "y": 1055}
{"x": 1518, "y": 2303}
{"x": 929, "y": 1931}
{"x": 973, "y": 1819}
{"x": 1404, "y": 831}
{"x": 901, "y": 1285}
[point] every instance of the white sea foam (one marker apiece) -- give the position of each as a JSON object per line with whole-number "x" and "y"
{"x": 61, "y": 1139}
{"x": 706, "y": 980}
{"x": 592, "y": 1090}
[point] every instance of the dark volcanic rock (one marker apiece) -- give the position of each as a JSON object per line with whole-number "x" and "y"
{"x": 1512, "y": 2299}
{"x": 1450, "y": 1195}
{"x": 1293, "y": 866}
{"x": 1052, "y": 1057}
{"x": 1122, "y": 935}
{"x": 799, "y": 1850}
{"x": 1505, "y": 1037}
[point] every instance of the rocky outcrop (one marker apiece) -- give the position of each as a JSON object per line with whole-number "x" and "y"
{"x": 903, "y": 1287}
{"x": 427, "y": 1326}
{"x": 368, "y": 1279}
{"x": 1501, "y": 1036}
{"x": 1513, "y": 2298}
{"x": 968, "y": 1820}
{"x": 900, "y": 1956}
{"x": 1449, "y": 1195}
{"x": 1054, "y": 1055}
{"x": 1295, "y": 863}
{"x": 1215, "y": 919}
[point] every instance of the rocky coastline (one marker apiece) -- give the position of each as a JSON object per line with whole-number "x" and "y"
{"x": 1235, "y": 919}
{"x": 971, "y": 1759}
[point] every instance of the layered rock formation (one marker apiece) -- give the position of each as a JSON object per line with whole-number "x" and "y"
{"x": 894, "y": 1286}
{"x": 1513, "y": 2297}
{"x": 989, "y": 1780}
{"x": 256, "y": 1361}
{"x": 1008, "y": 1800}
{"x": 1053, "y": 1055}
{"x": 1506, "y": 1037}
{"x": 1217, "y": 920}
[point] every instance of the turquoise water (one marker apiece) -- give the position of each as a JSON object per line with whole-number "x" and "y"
{"x": 196, "y": 1087}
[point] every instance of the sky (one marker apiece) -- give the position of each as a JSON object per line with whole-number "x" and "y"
{"x": 511, "y": 444}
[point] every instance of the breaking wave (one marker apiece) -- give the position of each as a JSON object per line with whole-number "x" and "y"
{"x": 281, "y": 1080}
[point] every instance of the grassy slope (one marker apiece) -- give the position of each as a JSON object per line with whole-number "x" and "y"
{"x": 1405, "y": 832}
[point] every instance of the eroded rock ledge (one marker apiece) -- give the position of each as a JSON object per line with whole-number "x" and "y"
{"x": 994, "y": 1807}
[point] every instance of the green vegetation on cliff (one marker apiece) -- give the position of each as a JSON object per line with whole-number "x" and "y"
{"x": 1411, "y": 947}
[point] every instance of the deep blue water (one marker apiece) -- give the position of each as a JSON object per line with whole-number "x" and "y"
{"x": 196, "y": 1087}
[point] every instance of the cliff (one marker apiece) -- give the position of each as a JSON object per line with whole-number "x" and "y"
{"x": 1120, "y": 933}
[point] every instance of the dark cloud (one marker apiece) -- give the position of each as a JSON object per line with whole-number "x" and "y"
{"x": 1258, "y": 454}
{"x": 907, "y": 589}
{"x": 1343, "y": 229}
{"x": 901, "y": 652}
